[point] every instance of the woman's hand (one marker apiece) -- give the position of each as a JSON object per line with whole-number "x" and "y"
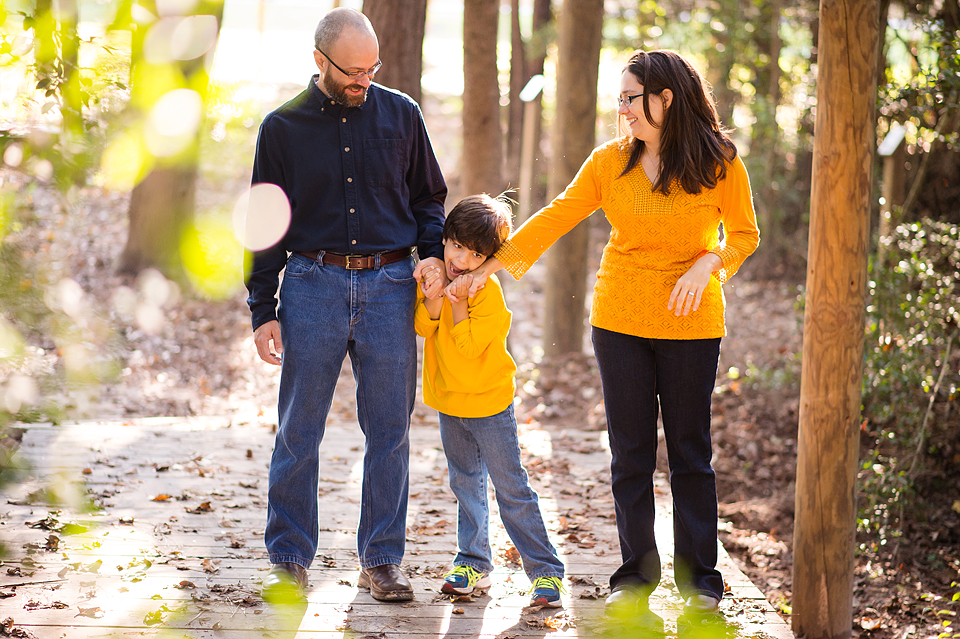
{"x": 686, "y": 295}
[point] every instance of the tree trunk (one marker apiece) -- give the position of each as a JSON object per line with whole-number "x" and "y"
{"x": 400, "y": 27}
{"x": 722, "y": 60}
{"x": 482, "y": 134}
{"x": 45, "y": 45}
{"x": 830, "y": 387}
{"x": 73, "y": 96}
{"x": 518, "y": 79}
{"x": 574, "y": 136}
{"x": 770, "y": 220}
{"x": 162, "y": 204}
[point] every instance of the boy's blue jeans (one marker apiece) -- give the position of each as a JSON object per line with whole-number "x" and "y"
{"x": 325, "y": 313}
{"x": 643, "y": 377}
{"x": 475, "y": 447}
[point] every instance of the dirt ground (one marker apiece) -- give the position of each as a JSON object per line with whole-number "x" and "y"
{"x": 175, "y": 353}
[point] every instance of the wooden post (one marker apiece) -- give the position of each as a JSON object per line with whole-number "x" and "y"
{"x": 825, "y": 526}
{"x": 892, "y": 188}
{"x": 530, "y": 96}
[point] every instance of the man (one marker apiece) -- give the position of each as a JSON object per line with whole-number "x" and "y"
{"x": 364, "y": 186}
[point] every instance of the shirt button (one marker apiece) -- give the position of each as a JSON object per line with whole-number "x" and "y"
{"x": 349, "y": 179}
{"x": 353, "y": 242}
{"x": 353, "y": 210}
{"x": 343, "y": 120}
{"x": 346, "y": 149}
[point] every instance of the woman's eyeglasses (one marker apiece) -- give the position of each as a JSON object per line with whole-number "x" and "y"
{"x": 621, "y": 100}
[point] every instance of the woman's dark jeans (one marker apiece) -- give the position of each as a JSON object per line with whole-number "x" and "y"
{"x": 642, "y": 377}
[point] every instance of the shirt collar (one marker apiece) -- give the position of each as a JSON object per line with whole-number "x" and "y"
{"x": 327, "y": 104}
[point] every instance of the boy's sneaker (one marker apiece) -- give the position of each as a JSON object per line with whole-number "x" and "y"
{"x": 462, "y": 580}
{"x": 546, "y": 592}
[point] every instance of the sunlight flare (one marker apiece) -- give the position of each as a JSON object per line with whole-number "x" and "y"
{"x": 261, "y": 217}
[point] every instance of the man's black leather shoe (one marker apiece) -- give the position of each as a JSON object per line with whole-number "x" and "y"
{"x": 386, "y": 583}
{"x": 285, "y": 582}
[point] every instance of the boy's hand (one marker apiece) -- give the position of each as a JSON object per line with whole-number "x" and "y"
{"x": 431, "y": 277}
{"x": 458, "y": 289}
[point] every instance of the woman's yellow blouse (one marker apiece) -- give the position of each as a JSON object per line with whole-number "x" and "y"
{"x": 654, "y": 240}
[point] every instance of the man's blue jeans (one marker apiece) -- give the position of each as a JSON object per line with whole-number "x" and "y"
{"x": 475, "y": 447}
{"x": 326, "y": 312}
{"x": 643, "y": 377}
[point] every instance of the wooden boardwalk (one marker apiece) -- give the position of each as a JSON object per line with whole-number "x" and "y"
{"x": 174, "y": 545}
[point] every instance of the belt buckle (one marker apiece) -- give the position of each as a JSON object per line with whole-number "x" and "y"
{"x": 353, "y": 257}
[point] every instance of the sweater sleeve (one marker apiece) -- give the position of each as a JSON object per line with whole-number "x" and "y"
{"x": 423, "y": 324}
{"x": 577, "y": 202}
{"x": 740, "y": 233}
{"x": 484, "y": 322}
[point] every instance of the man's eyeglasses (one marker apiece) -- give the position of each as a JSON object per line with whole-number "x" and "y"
{"x": 628, "y": 99}
{"x": 354, "y": 75}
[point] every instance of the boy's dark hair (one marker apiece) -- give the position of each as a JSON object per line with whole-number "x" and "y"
{"x": 479, "y": 222}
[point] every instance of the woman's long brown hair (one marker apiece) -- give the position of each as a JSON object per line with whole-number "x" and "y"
{"x": 694, "y": 148}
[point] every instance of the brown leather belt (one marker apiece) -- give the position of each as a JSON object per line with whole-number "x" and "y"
{"x": 356, "y": 262}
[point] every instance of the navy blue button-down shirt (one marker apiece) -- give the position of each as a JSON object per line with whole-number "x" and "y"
{"x": 360, "y": 180}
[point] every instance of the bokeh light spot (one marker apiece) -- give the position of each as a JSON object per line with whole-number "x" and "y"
{"x": 13, "y": 155}
{"x": 173, "y": 122}
{"x": 212, "y": 256}
{"x": 193, "y": 37}
{"x": 175, "y": 7}
{"x": 124, "y": 162}
{"x": 43, "y": 170}
{"x": 261, "y": 217}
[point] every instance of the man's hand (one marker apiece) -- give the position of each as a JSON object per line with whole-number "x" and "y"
{"x": 431, "y": 274}
{"x": 266, "y": 333}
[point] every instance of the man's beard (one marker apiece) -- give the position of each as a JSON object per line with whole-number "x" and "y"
{"x": 339, "y": 94}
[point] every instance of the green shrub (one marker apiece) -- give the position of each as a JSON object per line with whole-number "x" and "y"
{"x": 911, "y": 376}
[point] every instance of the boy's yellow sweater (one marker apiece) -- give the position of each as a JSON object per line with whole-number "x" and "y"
{"x": 655, "y": 239}
{"x": 467, "y": 371}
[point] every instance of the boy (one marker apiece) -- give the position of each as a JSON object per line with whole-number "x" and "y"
{"x": 468, "y": 377}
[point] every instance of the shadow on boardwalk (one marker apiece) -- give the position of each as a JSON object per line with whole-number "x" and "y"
{"x": 175, "y": 545}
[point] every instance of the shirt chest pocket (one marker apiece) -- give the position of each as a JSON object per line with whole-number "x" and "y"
{"x": 385, "y": 163}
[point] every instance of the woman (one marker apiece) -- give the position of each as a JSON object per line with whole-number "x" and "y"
{"x": 666, "y": 185}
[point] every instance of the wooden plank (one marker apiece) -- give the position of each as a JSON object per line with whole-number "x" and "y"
{"x": 572, "y": 483}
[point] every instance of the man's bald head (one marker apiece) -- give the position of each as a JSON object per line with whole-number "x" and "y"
{"x": 333, "y": 24}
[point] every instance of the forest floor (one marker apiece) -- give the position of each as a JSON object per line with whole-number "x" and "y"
{"x": 176, "y": 353}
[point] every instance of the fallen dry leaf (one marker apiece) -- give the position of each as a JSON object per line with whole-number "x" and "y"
{"x": 458, "y": 611}
{"x": 870, "y": 623}
{"x": 205, "y": 507}
{"x": 161, "y": 497}
{"x": 93, "y": 613}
